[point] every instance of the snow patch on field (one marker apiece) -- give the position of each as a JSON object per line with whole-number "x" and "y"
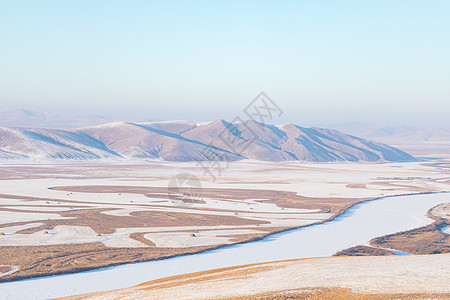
{"x": 12, "y": 217}
{"x": 13, "y": 269}
{"x": 446, "y": 230}
{"x": 189, "y": 239}
{"x": 14, "y": 229}
{"x": 39, "y": 209}
{"x": 64, "y": 234}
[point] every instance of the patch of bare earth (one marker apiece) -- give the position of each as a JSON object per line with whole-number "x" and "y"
{"x": 424, "y": 240}
{"x": 363, "y": 251}
{"x": 106, "y": 224}
{"x": 335, "y": 294}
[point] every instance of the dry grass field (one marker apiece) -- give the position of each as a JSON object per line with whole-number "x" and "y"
{"x": 58, "y": 259}
{"x": 363, "y": 251}
{"x": 376, "y": 277}
{"x": 336, "y": 294}
{"x": 425, "y": 240}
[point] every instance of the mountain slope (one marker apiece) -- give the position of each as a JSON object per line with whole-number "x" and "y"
{"x": 189, "y": 141}
{"x": 148, "y": 140}
{"x": 51, "y": 143}
{"x": 418, "y": 141}
{"x": 395, "y": 133}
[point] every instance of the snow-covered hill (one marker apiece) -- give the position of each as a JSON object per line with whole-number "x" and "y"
{"x": 189, "y": 141}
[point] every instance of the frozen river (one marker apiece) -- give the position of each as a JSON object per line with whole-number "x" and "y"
{"x": 357, "y": 226}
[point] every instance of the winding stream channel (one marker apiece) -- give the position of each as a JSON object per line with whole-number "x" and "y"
{"x": 357, "y": 225}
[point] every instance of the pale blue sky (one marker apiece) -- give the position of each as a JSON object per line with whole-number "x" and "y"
{"x": 321, "y": 61}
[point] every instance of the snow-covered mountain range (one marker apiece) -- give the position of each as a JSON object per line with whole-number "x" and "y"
{"x": 190, "y": 141}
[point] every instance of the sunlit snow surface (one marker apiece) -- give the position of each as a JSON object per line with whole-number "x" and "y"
{"x": 446, "y": 230}
{"x": 357, "y": 226}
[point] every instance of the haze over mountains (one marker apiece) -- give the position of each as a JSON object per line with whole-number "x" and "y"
{"x": 190, "y": 141}
{"x": 414, "y": 140}
{"x": 35, "y": 119}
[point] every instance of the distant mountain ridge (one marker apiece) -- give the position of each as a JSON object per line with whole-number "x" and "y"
{"x": 394, "y": 133}
{"x": 190, "y": 141}
{"x": 432, "y": 142}
{"x": 34, "y": 119}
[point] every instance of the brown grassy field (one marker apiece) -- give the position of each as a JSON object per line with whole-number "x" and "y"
{"x": 106, "y": 224}
{"x": 424, "y": 240}
{"x": 4, "y": 269}
{"x": 336, "y": 294}
{"x": 422, "y": 277}
{"x": 59, "y": 259}
{"x": 363, "y": 251}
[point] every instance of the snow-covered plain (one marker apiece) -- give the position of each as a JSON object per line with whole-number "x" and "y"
{"x": 201, "y": 238}
{"x": 358, "y": 225}
{"x": 341, "y": 180}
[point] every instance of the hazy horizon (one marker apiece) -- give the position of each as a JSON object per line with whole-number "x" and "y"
{"x": 322, "y": 63}
{"x": 149, "y": 118}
